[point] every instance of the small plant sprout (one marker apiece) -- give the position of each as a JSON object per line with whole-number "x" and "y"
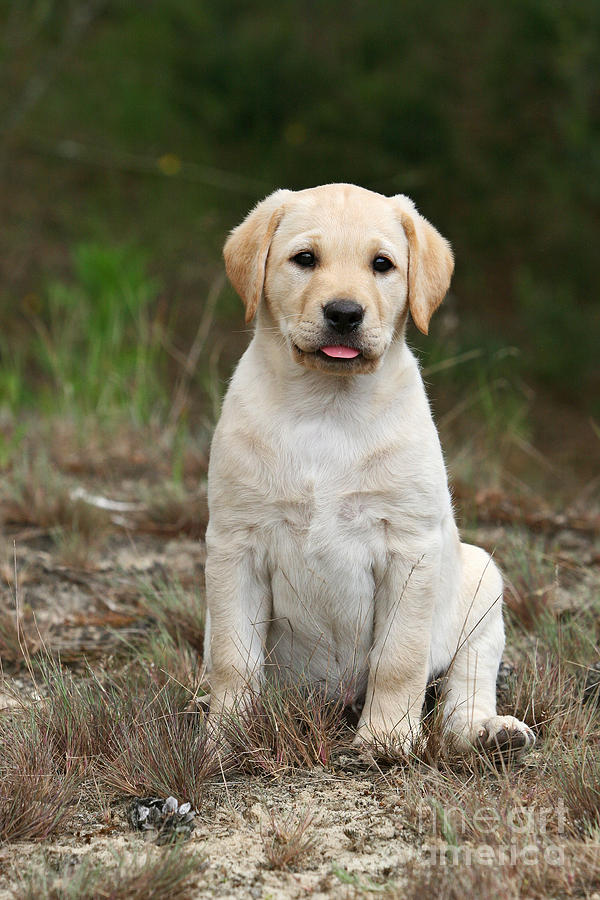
{"x": 287, "y": 841}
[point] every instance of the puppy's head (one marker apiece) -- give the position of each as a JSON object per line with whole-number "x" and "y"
{"x": 338, "y": 268}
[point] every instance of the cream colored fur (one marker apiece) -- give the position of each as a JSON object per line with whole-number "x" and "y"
{"x": 332, "y": 548}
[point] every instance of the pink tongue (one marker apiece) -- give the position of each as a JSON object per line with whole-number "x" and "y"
{"x": 340, "y": 352}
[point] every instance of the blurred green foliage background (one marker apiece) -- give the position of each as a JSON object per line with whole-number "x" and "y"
{"x": 133, "y": 136}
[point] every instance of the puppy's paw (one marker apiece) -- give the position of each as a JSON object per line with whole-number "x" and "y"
{"x": 503, "y": 735}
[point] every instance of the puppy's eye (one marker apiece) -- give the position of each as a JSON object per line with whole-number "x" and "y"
{"x": 306, "y": 259}
{"x": 382, "y": 264}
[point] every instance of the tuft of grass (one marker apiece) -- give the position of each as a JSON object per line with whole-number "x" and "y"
{"x": 156, "y": 875}
{"x": 161, "y": 749}
{"x": 541, "y": 871}
{"x": 76, "y": 549}
{"x": 129, "y": 731}
{"x": 283, "y": 727}
{"x": 288, "y": 841}
{"x": 439, "y": 882}
{"x": 487, "y": 832}
{"x": 550, "y": 699}
{"x": 80, "y": 713}
{"x": 543, "y": 693}
{"x": 37, "y": 798}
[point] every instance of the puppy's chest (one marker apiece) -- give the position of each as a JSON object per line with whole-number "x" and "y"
{"x": 327, "y": 528}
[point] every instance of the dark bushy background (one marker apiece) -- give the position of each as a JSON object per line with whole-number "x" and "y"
{"x": 157, "y": 124}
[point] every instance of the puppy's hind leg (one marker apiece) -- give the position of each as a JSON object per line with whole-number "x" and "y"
{"x": 470, "y": 690}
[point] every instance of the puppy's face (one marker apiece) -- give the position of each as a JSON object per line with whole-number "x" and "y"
{"x": 336, "y": 278}
{"x": 338, "y": 268}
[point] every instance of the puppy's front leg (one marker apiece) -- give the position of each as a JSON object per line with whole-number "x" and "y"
{"x": 398, "y": 661}
{"x": 239, "y": 607}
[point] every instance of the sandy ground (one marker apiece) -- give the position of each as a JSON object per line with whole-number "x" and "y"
{"x": 355, "y": 823}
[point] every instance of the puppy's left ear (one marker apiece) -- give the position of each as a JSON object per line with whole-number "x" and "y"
{"x": 247, "y": 248}
{"x": 430, "y": 263}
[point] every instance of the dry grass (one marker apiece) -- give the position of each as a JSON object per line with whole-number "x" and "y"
{"x": 543, "y": 693}
{"x": 288, "y": 840}
{"x": 577, "y": 779}
{"x": 97, "y": 736}
{"x": 80, "y": 713}
{"x": 285, "y": 727}
{"x": 129, "y": 731}
{"x": 171, "y": 660}
{"x": 75, "y": 548}
{"x": 37, "y": 797}
{"x": 496, "y": 833}
{"x": 548, "y": 688}
{"x": 87, "y": 446}
{"x": 41, "y": 495}
{"x": 156, "y": 875}
{"x": 531, "y": 580}
{"x": 162, "y": 750}
{"x": 543, "y": 873}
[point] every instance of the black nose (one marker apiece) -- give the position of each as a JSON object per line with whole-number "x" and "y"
{"x": 343, "y": 315}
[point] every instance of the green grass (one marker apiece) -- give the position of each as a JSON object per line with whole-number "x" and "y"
{"x": 92, "y": 344}
{"x": 99, "y": 343}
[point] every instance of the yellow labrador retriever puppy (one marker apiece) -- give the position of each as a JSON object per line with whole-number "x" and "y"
{"x": 332, "y": 548}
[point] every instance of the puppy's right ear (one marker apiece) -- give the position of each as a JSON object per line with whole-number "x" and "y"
{"x": 247, "y": 248}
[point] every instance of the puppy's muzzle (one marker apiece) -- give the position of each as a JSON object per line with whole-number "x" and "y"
{"x": 343, "y": 316}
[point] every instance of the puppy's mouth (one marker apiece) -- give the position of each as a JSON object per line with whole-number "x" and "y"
{"x": 337, "y": 359}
